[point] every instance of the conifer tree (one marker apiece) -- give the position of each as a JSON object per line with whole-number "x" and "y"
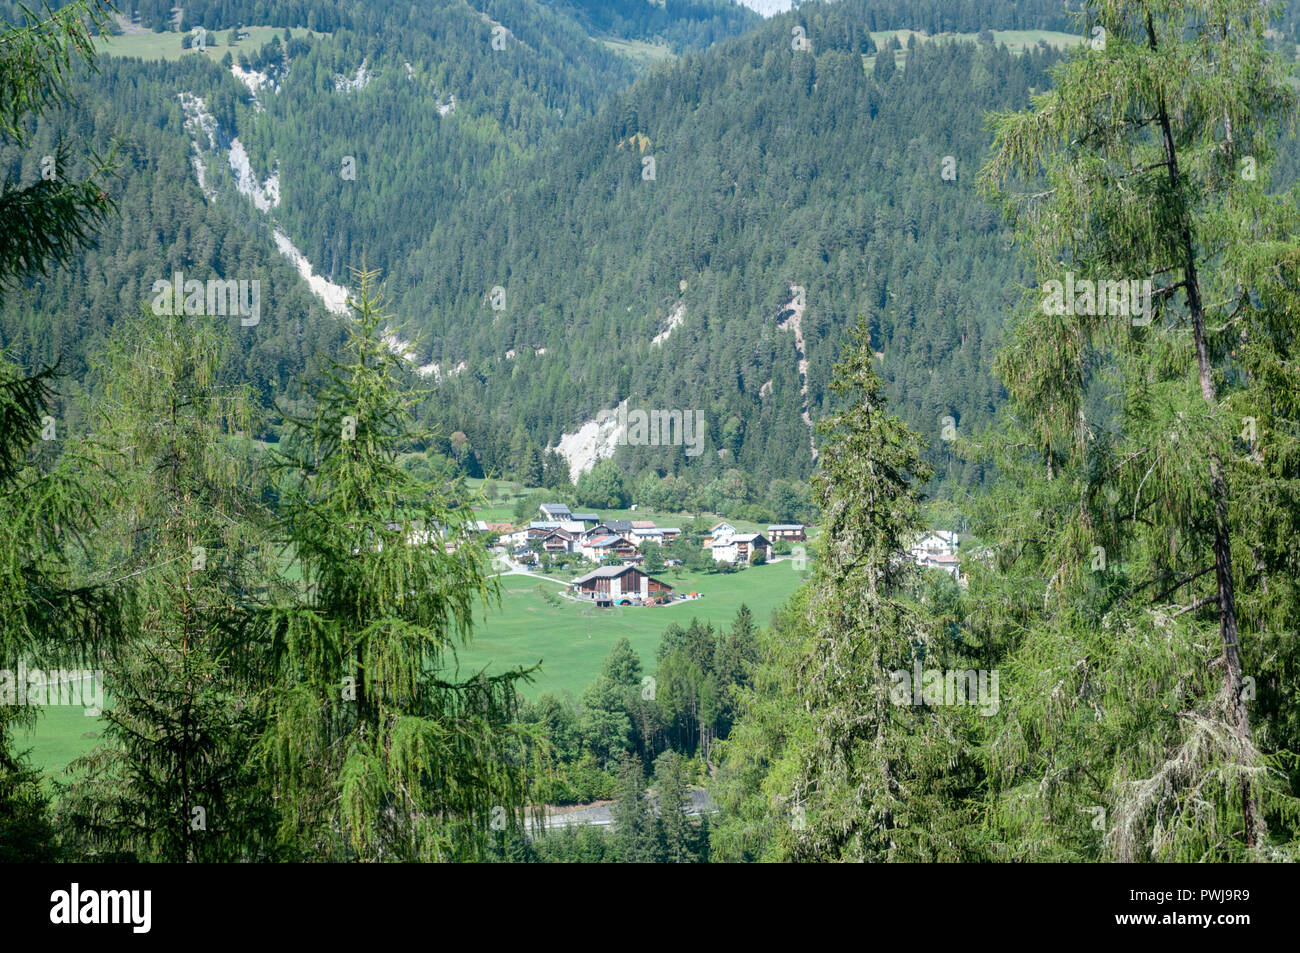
{"x": 185, "y": 532}
{"x": 634, "y": 827}
{"x": 377, "y": 748}
{"x": 1160, "y": 421}
{"x": 44, "y": 223}
{"x": 674, "y": 801}
{"x": 53, "y": 613}
{"x": 853, "y": 772}
{"x": 879, "y": 777}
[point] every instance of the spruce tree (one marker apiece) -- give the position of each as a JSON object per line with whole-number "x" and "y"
{"x": 54, "y": 613}
{"x": 184, "y": 530}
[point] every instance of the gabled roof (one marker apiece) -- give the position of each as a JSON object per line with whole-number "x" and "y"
{"x": 555, "y": 510}
{"x": 613, "y": 572}
{"x": 542, "y": 524}
{"x": 619, "y": 525}
{"x": 584, "y": 517}
{"x": 777, "y": 526}
{"x": 738, "y": 538}
{"x": 604, "y": 572}
{"x": 643, "y": 524}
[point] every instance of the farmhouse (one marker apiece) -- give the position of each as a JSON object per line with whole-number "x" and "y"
{"x": 597, "y": 531}
{"x": 792, "y": 531}
{"x": 722, "y": 529}
{"x": 740, "y": 547}
{"x": 606, "y": 547}
{"x": 937, "y": 549}
{"x": 940, "y": 542}
{"x": 555, "y": 512}
{"x": 948, "y": 563}
{"x": 615, "y": 583}
{"x": 558, "y": 541}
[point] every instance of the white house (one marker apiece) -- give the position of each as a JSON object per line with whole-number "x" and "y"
{"x": 722, "y": 529}
{"x": 937, "y": 549}
{"x": 939, "y": 542}
{"x": 740, "y": 547}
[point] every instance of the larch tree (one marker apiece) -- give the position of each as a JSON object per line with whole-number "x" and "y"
{"x": 1152, "y": 385}
{"x": 376, "y": 748}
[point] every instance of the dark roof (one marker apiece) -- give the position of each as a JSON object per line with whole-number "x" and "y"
{"x": 604, "y": 572}
{"x": 613, "y": 572}
{"x": 620, "y": 525}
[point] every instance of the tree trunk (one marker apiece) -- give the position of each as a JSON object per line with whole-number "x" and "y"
{"x": 1218, "y": 486}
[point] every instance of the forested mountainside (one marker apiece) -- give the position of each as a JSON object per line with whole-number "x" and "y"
{"x": 773, "y": 169}
{"x": 799, "y": 179}
{"x": 160, "y": 116}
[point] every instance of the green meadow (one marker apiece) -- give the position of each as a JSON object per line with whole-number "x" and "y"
{"x": 61, "y": 734}
{"x": 568, "y": 639}
{"x": 639, "y": 52}
{"x": 571, "y": 639}
{"x": 167, "y": 46}
{"x": 1017, "y": 41}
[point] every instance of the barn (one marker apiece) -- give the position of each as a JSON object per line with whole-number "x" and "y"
{"x": 620, "y": 582}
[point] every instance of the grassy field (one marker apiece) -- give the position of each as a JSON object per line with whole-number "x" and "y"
{"x": 61, "y": 734}
{"x": 1017, "y": 41}
{"x": 638, "y": 51}
{"x": 571, "y": 640}
{"x": 167, "y": 46}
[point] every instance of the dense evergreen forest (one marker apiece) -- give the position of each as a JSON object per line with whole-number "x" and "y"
{"x": 832, "y": 232}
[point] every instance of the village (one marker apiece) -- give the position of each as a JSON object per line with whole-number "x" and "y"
{"x": 616, "y": 551}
